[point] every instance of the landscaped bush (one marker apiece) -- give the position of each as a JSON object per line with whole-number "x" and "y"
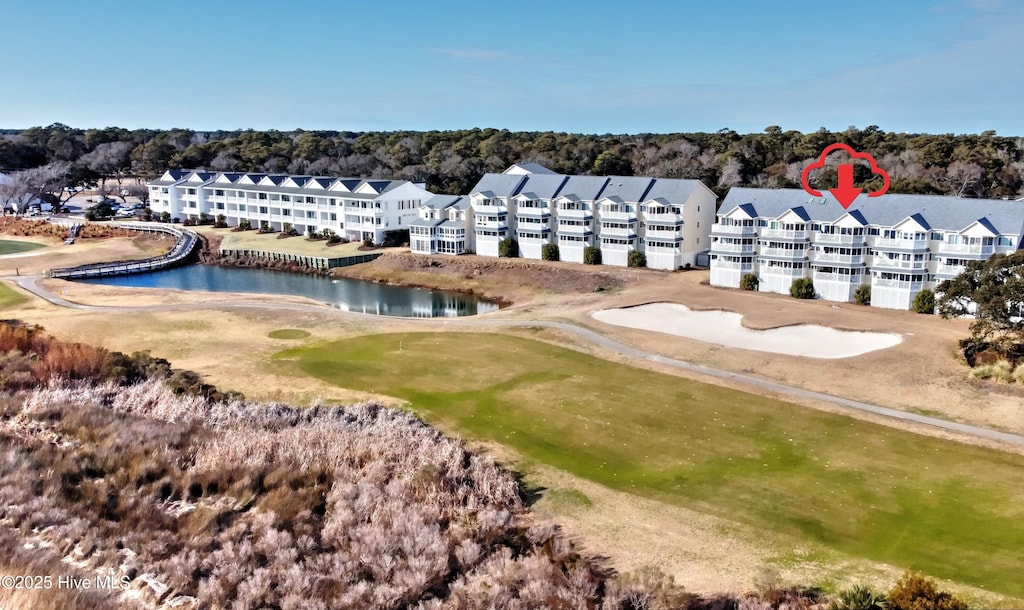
{"x": 222, "y": 222}
{"x": 204, "y": 219}
{"x": 636, "y": 258}
{"x": 265, "y": 227}
{"x": 592, "y": 255}
{"x": 244, "y": 225}
{"x": 1001, "y": 371}
{"x": 915, "y": 592}
{"x": 549, "y": 252}
{"x": 924, "y": 302}
{"x": 287, "y": 230}
{"x": 367, "y": 242}
{"x": 858, "y": 597}
{"x": 862, "y": 295}
{"x": 802, "y": 288}
{"x": 165, "y": 217}
{"x": 749, "y": 281}
{"x": 508, "y": 248}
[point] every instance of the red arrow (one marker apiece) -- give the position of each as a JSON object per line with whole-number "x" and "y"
{"x": 845, "y": 193}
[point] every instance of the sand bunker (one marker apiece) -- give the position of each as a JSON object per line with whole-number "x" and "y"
{"x": 724, "y": 328}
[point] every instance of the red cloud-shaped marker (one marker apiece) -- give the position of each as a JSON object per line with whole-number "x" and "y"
{"x": 845, "y": 192}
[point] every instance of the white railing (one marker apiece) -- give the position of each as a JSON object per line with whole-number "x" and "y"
{"x": 782, "y": 271}
{"x": 902, "y": 284}
{"x": 574, "y": 213}
{"x": 783, "y": 233}
{"x": 667, "y": 235}
{"x": 836, "y": 277}
{"x": 491, "y": 224}
{"x": 186, "y": 243}
{"x": 950, "y": 270}
{"x": 835, "y": 238}
{"x": 666, "y": 218}
{"x": 904, "y": 244}
{"x": 975, "y": 249}
{"x": 784, "y": 252}
{"x": 618, "y": 231}
{"x": 481, "y": 208}
{"x": 618, "y": 215}
{"x": 720, "y": 246}
{"x": 732, "y": 230}
{"x": 720, "y": 264}
{"x": 541, "y": 211}
{"x": 884, "y": 263}
{"x": 831, "y": 257}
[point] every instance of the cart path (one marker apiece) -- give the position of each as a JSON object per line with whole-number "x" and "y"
{"x": 30, "y": 284}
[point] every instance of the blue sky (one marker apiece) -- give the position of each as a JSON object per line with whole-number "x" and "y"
{"x": 592, "y": 67}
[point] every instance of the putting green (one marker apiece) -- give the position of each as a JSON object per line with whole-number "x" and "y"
{"x": 10, "y": 246}
{"x": 288, "y": 333}
{"x": 951, "y": 510}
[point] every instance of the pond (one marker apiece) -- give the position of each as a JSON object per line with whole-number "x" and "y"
{"x": 346, "y": 294}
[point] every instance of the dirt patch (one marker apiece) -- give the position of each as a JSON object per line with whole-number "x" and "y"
{"x": 502, "y": 279}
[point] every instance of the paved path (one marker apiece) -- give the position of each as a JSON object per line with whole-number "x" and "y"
{"x": 29, "y": 283}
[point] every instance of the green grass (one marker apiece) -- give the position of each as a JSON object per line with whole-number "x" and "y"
{"x": 10, "y": 297}
{"x": 288, "y": 333}
{"x": 951, "y": 510}
{"x": 9, "y": 246}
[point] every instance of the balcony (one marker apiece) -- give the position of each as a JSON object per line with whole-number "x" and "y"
{"x": 618, "y": 232}
{"x": 574, "y": 213}
{"x": 720, "y": 246}
{"x": 881, "y": 262}
{"x": 620, "y": 216}
{"x": 717, "y": 229}
{"x": 664, "y": 218}
{"x": 836, "y": 277}
{"x": 835, "y": 238}
{"x": 917, "y": 245}
{"x": 534, "y": 226}
{"x": 784, "y": 253}
{"x": 668, "y": 235}
{"x": 783, "y": 272}
{"x": 845, "y": 259}
{"x": 491, "y": 208}
{"x": 784, "y": 234}
{"x": 901, "y": 284}
{"x": 533, "y": 212}
{"x": 720, "y": 264}
{"x": 491, "y": 224}
{"x": 949, "y": 271}
{"x": 978, "y": 250}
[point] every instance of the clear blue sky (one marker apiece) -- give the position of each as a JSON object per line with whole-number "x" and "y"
{"x": 594, "y": 67}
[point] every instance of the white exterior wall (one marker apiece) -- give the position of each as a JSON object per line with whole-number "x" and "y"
{"x": 487, "y": 245}
{"x": 698, "y": 218}
{"x": 531, "y": 248}
{"x": 834, "y": 290}
{"x": 615, "y": 254}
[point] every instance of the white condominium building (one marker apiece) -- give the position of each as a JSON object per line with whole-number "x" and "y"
{"x": 668, "y": 220}
{"x": 898, "y": 244}
{"x": 441, "y": 227}
{"x": 354, "y": 208}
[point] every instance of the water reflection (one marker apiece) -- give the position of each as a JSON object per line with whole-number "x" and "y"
{"x": 346, "y": 294}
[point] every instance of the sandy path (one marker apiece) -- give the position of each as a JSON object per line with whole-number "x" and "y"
{"x": 726, "y": 328}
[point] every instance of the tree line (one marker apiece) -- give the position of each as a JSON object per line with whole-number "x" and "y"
{"x": 967, "y": 165}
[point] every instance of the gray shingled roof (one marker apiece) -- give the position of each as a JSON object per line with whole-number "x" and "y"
{"x": 938, "y": 212}
{"x": 440, "y": 202}
{"x": 584, "y": 187}
{"x": 500, "y": 185}
{"x": 543, "y": 186}
{"x": 630, "y": 189}
{"x": 672, "y": 190}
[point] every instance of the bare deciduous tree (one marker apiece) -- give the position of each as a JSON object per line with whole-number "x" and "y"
{"x": 963, "y": 178}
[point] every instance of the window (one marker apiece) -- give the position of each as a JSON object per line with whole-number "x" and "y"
{"x": 286, "y": 212}
{"x": 334, "y": 216}
{"x": 191, "y": 191}
{"x": 310, "y": 200}
{"x": 263, "y": 210}
{"x": 261, "y": 196}
{"x": 286, "y": 198}
{"x": 1005, "y": 241}
{"x": 310, "y": 214}
{"x": 218, "y": 193}
{"x": 873, "y": 231}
